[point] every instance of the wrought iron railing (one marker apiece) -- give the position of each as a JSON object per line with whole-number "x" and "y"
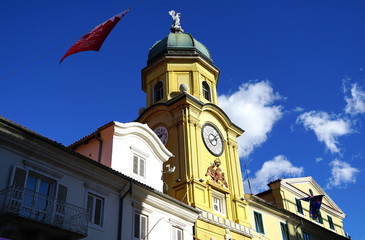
{"x": 41, "y": 208}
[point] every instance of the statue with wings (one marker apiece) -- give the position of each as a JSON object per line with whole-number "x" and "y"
{"x": 175, "y": 27}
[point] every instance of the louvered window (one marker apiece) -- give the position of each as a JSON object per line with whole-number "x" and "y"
{"x": 140, "y": 226}
{"x": 139, "y": 165}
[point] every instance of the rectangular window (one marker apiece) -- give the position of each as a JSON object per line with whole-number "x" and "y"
{"x": 319, "y": 219}
{"x": 306, "y": 236}
{"x": 140, "y": 226}
{"x": 219, "y": 203}
{"x": 177, "y": 233}
{"x": 35, "y": 194}
{"x": 95, "y": 209}
{"x": 299, "y": 206}
{"x": 139, "y": 165}
{"x": 258, "y": 222}
{"x": 330, "y": 222}
{"x": 284, "y": 231}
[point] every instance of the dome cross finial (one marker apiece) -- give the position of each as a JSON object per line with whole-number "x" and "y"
{"x": 175, "y": 27}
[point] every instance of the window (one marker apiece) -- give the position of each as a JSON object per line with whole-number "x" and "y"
{"x": 36, "y": 199}
{"x": 206, "y": 91}
{"x": 299, "y": 206}
{"x": 177, "y": 233}
{"x": 284, "y": 231}
{"x": 34, "y": 194}
{"x": 139, "y": 164}
{"x": 311, "y": 192}
{"x": 158, "y": 92}
{"x": 319, "y": 219}
{"x": 219, "y": 203}
{"x": 258, "y": 222}
{"x": 330, "y": 222}
{"x": 140, "y": 226}
{"x": 306, "y": 236}
{"x": 95, "y": 209}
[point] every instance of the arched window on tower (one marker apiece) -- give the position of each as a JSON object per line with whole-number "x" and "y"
{"x": 206, "y": 91}
{"x": 158, "y": 91}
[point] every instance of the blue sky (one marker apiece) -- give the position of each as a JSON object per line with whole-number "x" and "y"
{"x": 294, "y": 69}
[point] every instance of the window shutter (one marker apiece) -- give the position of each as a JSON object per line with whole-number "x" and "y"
{"x": 62, "y": 193}
{"x": 136, "y": 225}
{"x": 284, "y": 231}
{"x": 299, "y": 206}
{"x": 19, "y": 177}
{"x": 143, "y": 227}
{"x": 135, "y": 164}
{"x": 142, "y": 167}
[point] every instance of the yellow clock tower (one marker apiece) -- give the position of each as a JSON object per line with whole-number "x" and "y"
{"x": 180, "y": 82}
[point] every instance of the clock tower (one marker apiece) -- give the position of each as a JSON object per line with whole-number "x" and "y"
{"x": 180, "y": 82}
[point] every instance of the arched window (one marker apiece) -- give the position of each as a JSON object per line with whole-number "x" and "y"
{"x": 311, "y": 192}
{"x": 206, "y": 91}
{"x": 158, "y": 92}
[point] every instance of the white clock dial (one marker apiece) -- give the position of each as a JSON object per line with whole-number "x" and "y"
{"x": 162, "y": 134}
{"x": 212, "y": 139}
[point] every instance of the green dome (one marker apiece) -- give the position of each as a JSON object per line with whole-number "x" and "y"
{"x": 178, "y": 44}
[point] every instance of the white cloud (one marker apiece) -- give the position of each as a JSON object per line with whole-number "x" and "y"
{"x": 342, "y": 174}
{"x": 252, "y": 108}
{"x": 318, "y": 159}
{"x": 355, "y": 99}
{"x": 298, "y": 109}
{"x": 278, "y": 167}
{"x": 326, "y": 127}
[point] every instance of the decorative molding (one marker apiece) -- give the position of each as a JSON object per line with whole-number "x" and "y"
{"x": 225, "y": 223}
{"x": 177, "y": 223}
{"x": 96, "y": 188}
{"x": 42, "y": 168}
{"x": 138, "y": 151}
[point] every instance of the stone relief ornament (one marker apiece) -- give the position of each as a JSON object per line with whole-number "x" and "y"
{"x": 216, "y": 173}
{"x": 175, "y": 27}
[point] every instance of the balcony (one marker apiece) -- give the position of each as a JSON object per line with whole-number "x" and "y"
{"x": 26, "y": 211}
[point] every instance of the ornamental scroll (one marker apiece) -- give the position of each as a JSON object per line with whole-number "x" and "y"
{"x": 216, "y": 173}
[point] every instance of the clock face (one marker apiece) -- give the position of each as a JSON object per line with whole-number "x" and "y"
{"x": 212, "y": 139}
{"x": 162, "y": 134}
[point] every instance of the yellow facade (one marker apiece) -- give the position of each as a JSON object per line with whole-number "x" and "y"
{"x": 185, "y": 112}
{"x": 282, "y": 199}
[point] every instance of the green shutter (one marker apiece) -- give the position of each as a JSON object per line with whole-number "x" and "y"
{"x": 332, "y": 226}
{"x": 299, "y": 206}
{"x": 259, "y": 223}
{"x": 284, "y": 231}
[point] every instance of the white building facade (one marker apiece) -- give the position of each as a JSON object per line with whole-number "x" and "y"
{"x": 48, "y": 191}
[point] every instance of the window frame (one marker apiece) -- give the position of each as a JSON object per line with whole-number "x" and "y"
{"x": 299, "y": 206}
{"x": 91, "y": 218}
{"x": 158, "y": 90}
{"x": 330, "y": 222}
{"x": 175, "y": 229}
{"x": 285, "y": 234}
{"x": 221, "y": 205}
{"x": 319, "y": 218}
{"x": 134, "y": 225}
{"x": 140, "y": 159}
{"x": 259, "y": 223}
{"x": 306, "y": 236}
{"x": 207, "y": 94}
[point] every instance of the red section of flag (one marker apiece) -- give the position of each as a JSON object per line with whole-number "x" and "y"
{"x": 93, "y": 40}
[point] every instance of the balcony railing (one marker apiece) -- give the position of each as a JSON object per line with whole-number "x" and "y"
{"x": 41, "y": 208}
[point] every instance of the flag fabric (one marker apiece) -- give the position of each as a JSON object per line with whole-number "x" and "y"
{"x": 93, "y": 40}
{"x": 314, "y": 205}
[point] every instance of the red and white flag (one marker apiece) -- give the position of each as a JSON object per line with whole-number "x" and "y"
{"x": 93, "y": 40}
